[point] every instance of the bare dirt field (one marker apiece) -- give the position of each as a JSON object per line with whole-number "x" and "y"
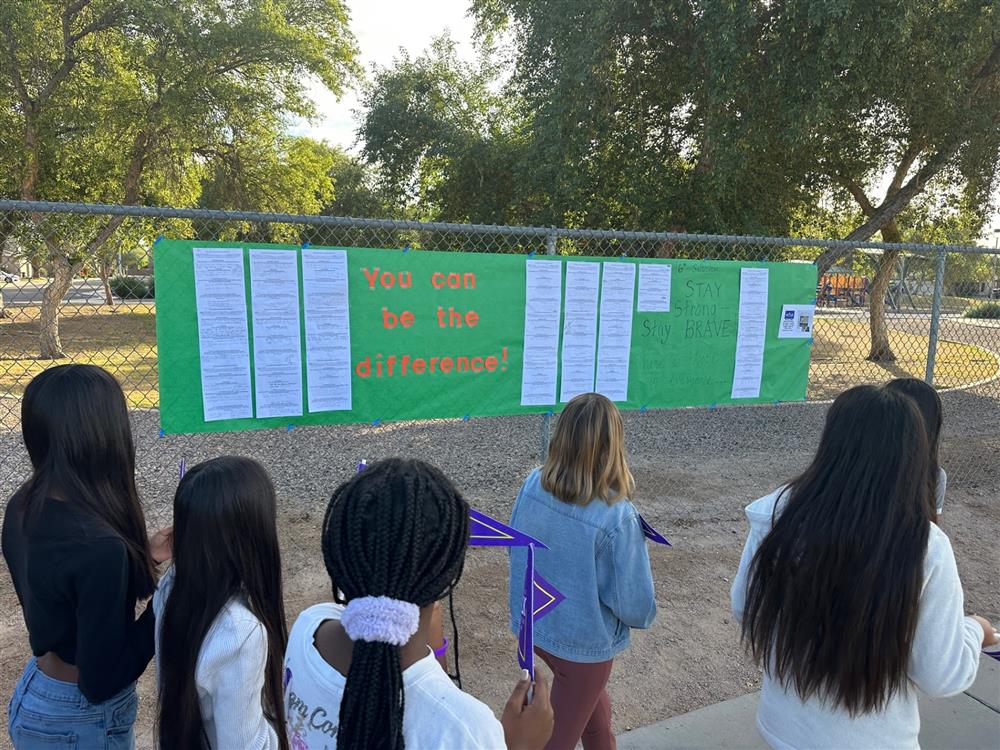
{"x": 695, "y": 470}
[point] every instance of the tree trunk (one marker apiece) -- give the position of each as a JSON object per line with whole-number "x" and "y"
{"x": 50, "y": 346}
{"x": 5, "y": 230}
{"x": 881, "y": 350}
{"x": 104, "y": 271}
{"x": 885, "y": 214}
{"x": 29, "y": 180}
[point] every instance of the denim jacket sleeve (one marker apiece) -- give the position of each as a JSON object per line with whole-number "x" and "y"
{"x": 624, "y": 579}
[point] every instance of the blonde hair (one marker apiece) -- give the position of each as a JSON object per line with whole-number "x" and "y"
{"x": 586, "y": 457}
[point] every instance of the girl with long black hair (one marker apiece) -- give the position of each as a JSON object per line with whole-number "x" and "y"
{"x": 847, "y": 593}
{"x": 362, "y": 676}
{"x": 929, "y": 403}
{"x": 220, "y": 630}
{"x": 74, "y": 539}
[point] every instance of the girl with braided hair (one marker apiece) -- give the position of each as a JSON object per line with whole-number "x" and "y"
{"x": 359, "y": 674}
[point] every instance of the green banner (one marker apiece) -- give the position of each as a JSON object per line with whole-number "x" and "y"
{"x": 263, "y": 336}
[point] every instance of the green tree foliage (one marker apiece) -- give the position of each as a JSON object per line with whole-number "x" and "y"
{"x": 138, "y": 101}
{"x": 445, "y": 144}
{"x": 269, "y": 172}
{"x": 739, "y": 116}
{"x": 355, "y": 191}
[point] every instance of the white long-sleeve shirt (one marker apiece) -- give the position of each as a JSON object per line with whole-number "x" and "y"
{"x": 229, "y": 675}
{"x": 939, "y": 489}
{"x": 943, "y": 661}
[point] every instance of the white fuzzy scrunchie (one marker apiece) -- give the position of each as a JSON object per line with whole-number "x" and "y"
{"x": 380, "y": 619}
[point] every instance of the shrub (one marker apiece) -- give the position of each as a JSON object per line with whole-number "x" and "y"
{"x": 132, "y": 287}
{"x": 984, "y": 310}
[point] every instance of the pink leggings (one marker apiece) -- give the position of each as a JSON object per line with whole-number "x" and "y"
{"x": 581, "y": 704}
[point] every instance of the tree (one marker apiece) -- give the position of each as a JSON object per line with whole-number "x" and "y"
{"x": 635, "y": 116}
{"x": 8, "y": 181}
{"x": 125, "y": 101}
{"x": 355, "y": 192}
{"x": 267, "y": 171}
{"x": 917, "y": 97}
{"x": 446, "y": 146}
{"x": 736, "y": 117}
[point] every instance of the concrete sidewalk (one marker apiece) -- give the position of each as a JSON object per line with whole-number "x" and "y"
{"x": 969, "y": 721}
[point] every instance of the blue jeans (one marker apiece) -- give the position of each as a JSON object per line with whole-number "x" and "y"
{"x": 50, "y": 714}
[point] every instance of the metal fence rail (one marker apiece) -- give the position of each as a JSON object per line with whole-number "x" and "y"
{"x": 930, "y": 290}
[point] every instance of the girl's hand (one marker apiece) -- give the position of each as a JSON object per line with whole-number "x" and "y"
{"x": 161, "y": 545}
{"x": 989, "y": 632}
{"x": 528, "y": 726}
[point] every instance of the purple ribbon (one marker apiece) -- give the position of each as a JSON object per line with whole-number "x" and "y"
{"x": 485, "y": 531}
{"x": 546, "y": 597}
{"x": 652, "y": 534}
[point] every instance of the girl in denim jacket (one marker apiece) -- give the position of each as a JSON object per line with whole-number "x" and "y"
{"x": 578, "y": 505}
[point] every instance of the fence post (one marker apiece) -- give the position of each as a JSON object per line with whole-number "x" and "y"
{"x": 543, "y": 432}
{"x": 935, "y": 317}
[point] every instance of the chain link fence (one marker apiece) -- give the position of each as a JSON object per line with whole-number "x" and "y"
{"x": 106, "y": 316}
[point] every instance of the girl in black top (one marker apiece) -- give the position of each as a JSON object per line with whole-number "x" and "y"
{"x": 74, "y": 540}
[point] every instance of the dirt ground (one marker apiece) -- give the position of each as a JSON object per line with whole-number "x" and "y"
{"x": 695, "y": 470}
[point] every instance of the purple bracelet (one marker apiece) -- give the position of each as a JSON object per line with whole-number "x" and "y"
{"x": 439, "y": 652}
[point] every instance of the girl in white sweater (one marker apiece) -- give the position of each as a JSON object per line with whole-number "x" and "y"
{"x": 220, "y": 619}
{"x": 929, "y": 403}
{"x": 848, "y": 594}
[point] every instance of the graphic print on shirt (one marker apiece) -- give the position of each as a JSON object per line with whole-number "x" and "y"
{"x": 303, "y": 719}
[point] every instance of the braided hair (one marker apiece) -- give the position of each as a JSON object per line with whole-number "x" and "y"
{"x": 398, "y": 529}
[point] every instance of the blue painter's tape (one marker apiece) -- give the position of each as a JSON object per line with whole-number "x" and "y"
{"x": 162, "y": 433}
{"x": 642, "y": 408}
{"x": 549, "y": 413}
{"x": 157, "y": 240}
{"x": 376, "y": 422}
{"x": 406, "y": 249}
{"x": 305, "y": 245}
{"x": 465, "y": 418}
{"x": 811, "y": 341}
{"x": 290, "y": 428}
{"x": 531, "y": 253}
{"x": 713, "y": 407}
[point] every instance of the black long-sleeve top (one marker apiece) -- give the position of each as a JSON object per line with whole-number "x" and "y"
{"x": 77, "y": 589}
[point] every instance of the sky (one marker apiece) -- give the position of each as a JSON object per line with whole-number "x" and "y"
{"x": 381, "y": 28}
